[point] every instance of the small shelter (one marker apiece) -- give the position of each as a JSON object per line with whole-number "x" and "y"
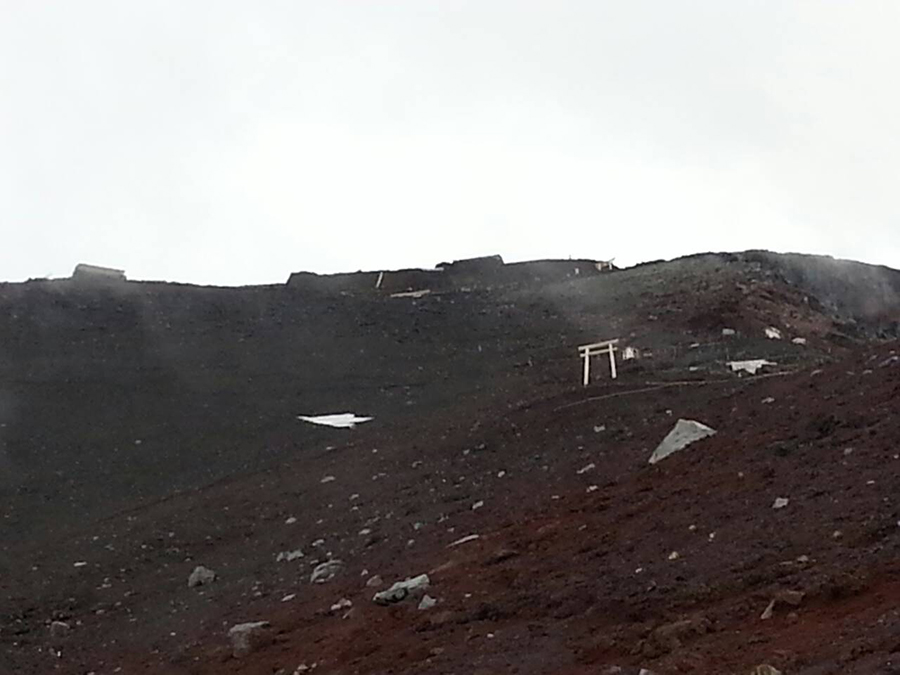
{"x": 96, "y": 274}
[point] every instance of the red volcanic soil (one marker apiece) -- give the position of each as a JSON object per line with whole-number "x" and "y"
{"x": 150, "y": 430}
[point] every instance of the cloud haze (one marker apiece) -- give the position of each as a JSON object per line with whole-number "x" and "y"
{"x": 234, "y": 142}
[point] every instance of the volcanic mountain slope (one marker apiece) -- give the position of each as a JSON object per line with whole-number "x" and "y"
{"x": 152, "y": 428}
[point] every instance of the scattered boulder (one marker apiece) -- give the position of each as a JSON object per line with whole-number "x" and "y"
{"x": 289, "y": 556}
{"x": 773, "y": 333}
{"x": 374, "y": 582}
{"x": 427, "y": 602}
{"x": 890, "y": 361}
{"x": 402, "y": 589}
{"x": 343, "y": 603}
{"x": 326, "y": 571}
{"x": 671, "y": 635}
{"x": 682, "y": 435}
{"x": 783, "y": 597}
{"x": 765, "y": 670}
{"x": 247, "y": 637}
{"x": 200, "y": 576}
{"x": 59, "y": 629}
{"x": 789, "y": 597}
{"x": 780, "y": 503}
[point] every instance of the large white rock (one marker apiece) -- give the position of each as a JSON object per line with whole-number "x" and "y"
{"x": 684, "y": 433}
{"x": 326, "y": 571}
{"x": 751, "y": 366}
{"x": 402, "y": 590}
{"x": 201, "y": 575}
{"x": 289, "y": 556}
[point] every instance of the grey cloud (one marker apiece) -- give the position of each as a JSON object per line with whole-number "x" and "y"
{"x": 235, "y": 142}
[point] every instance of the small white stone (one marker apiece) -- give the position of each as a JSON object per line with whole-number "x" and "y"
{"x": 427, "y": 602}
{"x": 464, "y": 540}
{"x": 343, "y": 603}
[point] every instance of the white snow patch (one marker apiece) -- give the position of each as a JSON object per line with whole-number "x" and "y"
{"x": 339, "y": 420}
{"x": 751, "y": 366}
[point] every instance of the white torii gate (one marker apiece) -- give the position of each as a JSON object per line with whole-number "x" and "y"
{"x": 596, "y": 349}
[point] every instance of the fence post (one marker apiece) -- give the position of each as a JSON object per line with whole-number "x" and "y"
{"x": 587, "y": 367}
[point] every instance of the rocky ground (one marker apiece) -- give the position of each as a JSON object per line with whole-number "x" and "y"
{"x": 150, "y": 430}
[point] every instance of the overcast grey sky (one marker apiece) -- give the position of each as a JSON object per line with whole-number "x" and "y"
{"x": 234, "y": 142}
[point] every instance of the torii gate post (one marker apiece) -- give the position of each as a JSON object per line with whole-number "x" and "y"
{"x": 595, "y": 349}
